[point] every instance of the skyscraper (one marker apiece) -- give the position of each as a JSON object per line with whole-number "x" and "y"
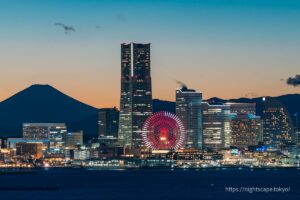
{"x": 246, "y": 130}
{"x": 216, "y": 126}
{"x": 108, "y": 122}
{"x": 188, "y": 109}
{"x": 136, "y": 92}
{"x": 246, "y": 127}
{"x": 278, "y": 128}
{"x": 74, "y": 138}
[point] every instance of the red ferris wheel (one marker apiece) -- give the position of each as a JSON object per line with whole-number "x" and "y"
{"x": 163, "y": 130}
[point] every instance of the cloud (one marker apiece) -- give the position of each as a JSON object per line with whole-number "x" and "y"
{"x": 182, "y": 85}
{"x": 121, "y": 18}
{"x": 251, "y": 95}
{"x": 294, "y": 81}
{"x": 65, "y": 27}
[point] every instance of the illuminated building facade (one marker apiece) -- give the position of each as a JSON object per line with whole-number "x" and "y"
{"x": 216, "y": 126}
{"x": 246, "y": 127}
{"x": 81, "y": 154}
{"x": 74, "y": 139}
{"x": 12, "y": 142}
{"x": 277, "y": 128}
{"x": 33, "y": 150}
{"x": 54, "y": 132}
{"x": 242, "y": 108}
{"x": 188, "y": 109}
{"x": 108, "y": 122}
{"x": 246, "y": 130}
{"x": 136, "y": 92}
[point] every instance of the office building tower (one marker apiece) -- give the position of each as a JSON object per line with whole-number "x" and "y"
{"x": 188, "y": 109}
{"x": 74, "y": 139}
{"x": 108, "y": 123}
{"x": 216, "y": 126}
{"x": 136, "y": 92}
{"x": 246, "y": 130}
{"x": 277, "y": 128}
{"x": 246, "y": 127}
{"x": 54, "y": 132}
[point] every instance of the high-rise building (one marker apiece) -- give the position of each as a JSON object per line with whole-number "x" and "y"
{"x": 74, "y": 139}
{"x": 277, "y": 128}
{"x": 136, "y": 92}
{"x": 246, "y": 130}
{"x": 108, "y": 123}
{"x": 216, "y": 126}
{"x": 188, "y": 109}
{"x": 54, "y": 132}
{"x": 246, "y": 127}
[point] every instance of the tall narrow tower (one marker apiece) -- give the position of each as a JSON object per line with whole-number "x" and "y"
{"x": 136, "y": 92}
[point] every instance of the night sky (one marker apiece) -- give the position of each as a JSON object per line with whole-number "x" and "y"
{"x": 229, "y": 49}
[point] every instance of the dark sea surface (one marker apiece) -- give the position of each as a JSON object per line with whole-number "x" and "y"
{"x": 66, "y": 183}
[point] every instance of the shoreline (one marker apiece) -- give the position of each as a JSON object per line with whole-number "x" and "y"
{"x": 28, "y": 170}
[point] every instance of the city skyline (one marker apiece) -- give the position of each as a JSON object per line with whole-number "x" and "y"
{"x": 58, "y": 43}
{"x": 151, "y": 99}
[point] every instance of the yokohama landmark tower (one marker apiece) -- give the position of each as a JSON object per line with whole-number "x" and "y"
{"x": 136, "y": 92}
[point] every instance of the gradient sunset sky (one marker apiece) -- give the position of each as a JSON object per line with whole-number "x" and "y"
{"x": 224, "y": 48}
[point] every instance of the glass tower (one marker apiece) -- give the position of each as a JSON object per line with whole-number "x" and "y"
{"x": 108, "y": 122}
{"x": 188, "y": 109}
{"x": 136, "y": 92}
{"x": 246, "y": 127}
{"x": 216, "y": 126}
{"x": 278, "y": 128}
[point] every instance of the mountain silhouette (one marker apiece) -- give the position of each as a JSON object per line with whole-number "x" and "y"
{"x": 43, "y": 103}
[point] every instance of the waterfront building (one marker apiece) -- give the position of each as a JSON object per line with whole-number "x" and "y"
{"x": 246, "y": 127}
{"x": 278, "y": 129}
{"x": 216, "y": 126}
{"x": 188, "y": 109}
{"x": 246, "y": 130}
{"x": 33, "y": 150}
{"x": 12, "y": 142}
{"x": 74, "y": 139}
{"x": 136, "y": 92}
{"x": 54, "y": 132}
{"x": 108, "y": 124}
{"x": 82, "y": 154}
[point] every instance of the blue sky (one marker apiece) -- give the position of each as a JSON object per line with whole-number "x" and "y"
{"x": 222, "y": 48}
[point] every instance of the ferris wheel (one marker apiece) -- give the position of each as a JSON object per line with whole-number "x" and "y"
{"x": 163, "y": 130}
